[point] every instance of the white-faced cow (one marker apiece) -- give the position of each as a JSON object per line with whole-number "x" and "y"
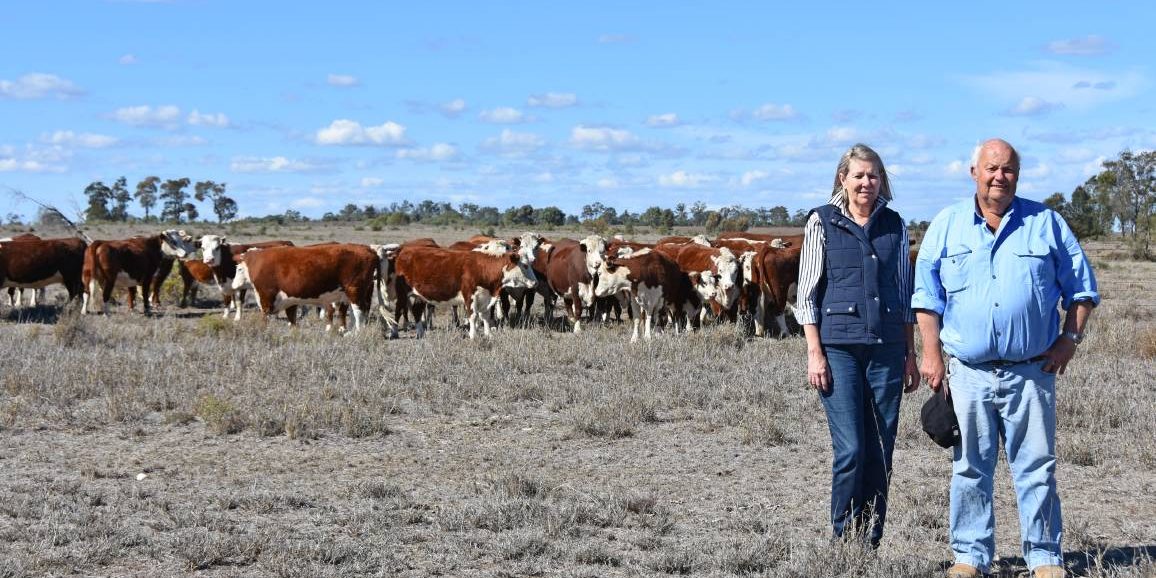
{"x": 471, "y": 279}
{"x": 284, "y": 278}
{"x": 29, "y": 262}
{"x": 650, "y": 281}
{"x": 127, "y": 264}
{"x": 719, "y": 265}
{"x": 571, "y": 269}
{"x": 223, "y": 256}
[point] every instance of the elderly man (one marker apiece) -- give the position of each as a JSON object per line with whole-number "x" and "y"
{"x": 988, "y": 277}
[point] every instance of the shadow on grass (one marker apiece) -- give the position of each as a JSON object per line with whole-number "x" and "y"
{"x": 1083, "y": 563}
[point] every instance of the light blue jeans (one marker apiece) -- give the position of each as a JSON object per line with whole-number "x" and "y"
{"x": 1018, "y": 404}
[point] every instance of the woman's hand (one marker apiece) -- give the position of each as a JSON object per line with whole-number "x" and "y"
{"x": 818, "y": 372}
{"x": 911, "y": 375}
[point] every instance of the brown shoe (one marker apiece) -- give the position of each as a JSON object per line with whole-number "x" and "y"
{"x": 963, "y": 571}
{"x": 1049, "y": 571}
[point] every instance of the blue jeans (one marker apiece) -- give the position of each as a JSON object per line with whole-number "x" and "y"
{"x": 863, "y": 414}
{"x": 1017, "y": 404}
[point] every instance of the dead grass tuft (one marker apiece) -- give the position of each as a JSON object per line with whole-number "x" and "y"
{"x": 221, "y": 417}
{"x": 1146, "y": 343}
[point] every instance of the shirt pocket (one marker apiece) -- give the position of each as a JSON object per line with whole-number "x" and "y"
{"x": 1036, "y": 263}
{"x": 953, "y": 268}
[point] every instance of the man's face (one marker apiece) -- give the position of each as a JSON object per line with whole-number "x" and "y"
{"x": 995, "y": 174}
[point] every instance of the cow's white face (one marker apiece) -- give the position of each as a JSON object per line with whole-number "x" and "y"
{"x": 700, "y": 240}
{"x": 748, "y": 262}
{"x": 727, "y": 268}
{"x": 177, "y": 244}
{"x": 241, "y": 279}
{"x": 211, "y": 249}
{"x": 495, "y": 247}
{"x": 518, "y": 275}
{"x": 705, "y": 284}
{"x": 594, "y": 247}
{"x": 612, "y": 282}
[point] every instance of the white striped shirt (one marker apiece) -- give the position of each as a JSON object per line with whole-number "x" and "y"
{"x": 815, "y": 251}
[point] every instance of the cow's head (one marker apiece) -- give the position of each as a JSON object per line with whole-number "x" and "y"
{"x": 747, "y": 260}
{"x": 704, "y": 283}
{"x": 527, "y": 244}
{"x": 594, "y": 247}
{"x": 517, "y": 274}
{"x": 612, "y": 278}
{"x": 726, "y": 267}
{"x": 211, "y": 249}
{"x": 700, "y": 239}
{"x": 177, "y": 244}
{"x": 241, "y": 280}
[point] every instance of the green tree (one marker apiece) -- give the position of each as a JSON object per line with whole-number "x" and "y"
{"x": 146, "y": 193}
{"x": 98, "y": 197}
{"x": 175, "y": 199}
{"x": 549, "y": 216}
{"x": 223, "y": 206}
{"x": 120, "y": 200}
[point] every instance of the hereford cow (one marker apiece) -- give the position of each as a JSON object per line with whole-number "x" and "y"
{"x": 776, "y": 273}
{"x": 286, "y": 277}
{"x": 127, "y": 264}
{"x": 29, "y": 262}
{"x": 719, "y": 265}
{"x": 650, "y": 282}
{"x": 222, "y": 256}
{"x": 571, "y": 269}
{"x": 193, "y": 274}
{"x": 471, "y": 279}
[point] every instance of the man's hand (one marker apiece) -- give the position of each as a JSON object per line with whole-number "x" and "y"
{"x": 1059, "y": 354}
{"x": 933, "y": 370}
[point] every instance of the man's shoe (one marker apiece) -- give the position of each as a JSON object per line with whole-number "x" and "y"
{"x": 1049, "y": 571}
{"x": 963, "y": 571}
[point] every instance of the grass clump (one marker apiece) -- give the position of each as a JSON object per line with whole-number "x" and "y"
{"x": 219, "y": 415}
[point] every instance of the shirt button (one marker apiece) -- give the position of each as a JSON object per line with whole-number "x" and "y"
{"x": 993, "y": 276}
{"x": 997, "y": 304}
{"x": 997, "y": 334}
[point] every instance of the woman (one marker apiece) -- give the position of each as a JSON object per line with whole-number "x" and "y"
{"x": 854, "y": 306}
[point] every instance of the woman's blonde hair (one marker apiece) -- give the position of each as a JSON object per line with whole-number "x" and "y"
{"x": 861, "y": 152}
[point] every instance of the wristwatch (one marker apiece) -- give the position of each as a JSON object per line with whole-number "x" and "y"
{"x": 1075, "y": 337}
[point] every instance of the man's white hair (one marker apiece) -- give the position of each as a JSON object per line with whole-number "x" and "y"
{"x": 979, "y": 149}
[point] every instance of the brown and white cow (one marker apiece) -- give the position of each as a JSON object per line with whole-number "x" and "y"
{"x": 651, "y": 282}
{"x": 776, "y": 273}
{"x": 29, "y": 262}
{"x": 195, "y": 273}
{"x": 127, "y": 264}
{"x": 719, "y": 265}
{"x": 571, "y": 270}
{"x": 284, "y": 278}
{"x": 471, "y": 279}
{"x": 222, "y": 256}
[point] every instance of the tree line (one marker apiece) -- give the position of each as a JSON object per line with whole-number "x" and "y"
{"x": 1121, "y": 197}
{"x": 110, "y": 203}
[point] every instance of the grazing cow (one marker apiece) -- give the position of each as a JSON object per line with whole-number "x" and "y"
{"x": 223, "y": 256}
{"x": 127, "y": 264}
{"x": 776, "y": 273}
{"x": 570, "y": 271}
{"x": 650, "y": 281}
{"x": 285, "y": 277}
{"x": 29, "y": 262}
{"x": 471, "y": 279}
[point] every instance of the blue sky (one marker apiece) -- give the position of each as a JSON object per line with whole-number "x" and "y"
{"x": 630, "y": 104}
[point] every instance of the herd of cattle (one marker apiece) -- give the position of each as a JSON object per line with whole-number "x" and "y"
{"x": 676, "y": 281}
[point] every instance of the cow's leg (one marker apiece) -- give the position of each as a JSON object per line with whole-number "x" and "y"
{"x": 146, "y": 295}
{"x": 781, "y": 320}
{"x": 358, "y": 318}
{"x": 760, "y": 316}
{"x": 291, "y": 315}
{"x": 106, "y": 294}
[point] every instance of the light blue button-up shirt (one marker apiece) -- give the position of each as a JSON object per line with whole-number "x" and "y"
{"x": 996, "y": 293}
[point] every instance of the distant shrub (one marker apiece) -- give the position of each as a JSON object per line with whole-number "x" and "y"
{"x": 219, "y": 415}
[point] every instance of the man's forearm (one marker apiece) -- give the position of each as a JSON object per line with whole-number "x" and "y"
{"x": 928, "y": 331}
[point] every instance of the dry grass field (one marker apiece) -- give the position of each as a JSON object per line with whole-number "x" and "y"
{"x": 182, "y": 444}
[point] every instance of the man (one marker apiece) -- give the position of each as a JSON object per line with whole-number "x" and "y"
{"x": 988, "y": 277}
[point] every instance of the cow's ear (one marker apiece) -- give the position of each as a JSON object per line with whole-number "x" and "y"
{"x": 513, "y": 257}
{"x": 224, "y": 239}
{"x": 695, "y": 278}
{"x": 582, "y": 247}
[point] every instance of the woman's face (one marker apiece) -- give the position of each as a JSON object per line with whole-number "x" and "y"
{"x": 862, "y": 184}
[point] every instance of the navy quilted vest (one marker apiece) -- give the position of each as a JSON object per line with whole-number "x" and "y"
{"x": 860, "y": 299}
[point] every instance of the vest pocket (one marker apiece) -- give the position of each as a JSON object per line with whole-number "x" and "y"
{"x": 842, "y": 308}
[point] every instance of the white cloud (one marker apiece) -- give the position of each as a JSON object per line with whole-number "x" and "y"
{"x": 1063, "y": 84}
{"x": 553, "y": 100}
{"x": 843, "y": 135}
{"x": 1038, "y": 172}
{"x": 663, "y": 120}
{"x": 83, "y": 140}
{"x": 38, "y": 85}
{"x": 371, "y": 182}
{"x": 196, "y": 118}
{"x": 437, "y": 152}
{"x": 602, "y": 139}
{"x": 127, "y": 59}
{"x": 453, "y": 108}
{"x": 771, "y": 111}
{"x": 502, "y": 115}
{"x": 307, "y": 203}
{"x": 607, "y": 183}
{"x": 167, "y": 116}
{"x": 752, "y": 177}
{"x": 52, "y": 159}
{"x": 181, "y": 141}
{"x": 278, "y": 164}
{"x": 348, "y": 132}
{"x": 958, "y": 167}
{"x": 1087, "y": 46}
{"x": 1033, "y": 106}
{"x": 543, "y": 177}
{"x": 342, "y": 80}
{"x": 511, "y": 143}
{"x": 683, "y": 179}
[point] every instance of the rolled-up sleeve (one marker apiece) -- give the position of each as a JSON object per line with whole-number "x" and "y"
{"x": 810, "y": 271}
{"x": 929, "y": 293}
{"x": 1074, "y": 273}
